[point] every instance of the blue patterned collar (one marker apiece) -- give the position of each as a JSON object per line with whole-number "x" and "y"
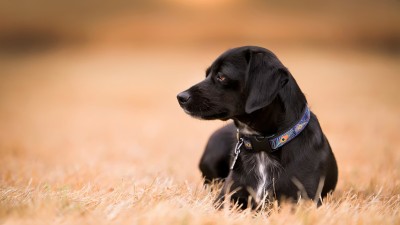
{"x": 272, "y": 143}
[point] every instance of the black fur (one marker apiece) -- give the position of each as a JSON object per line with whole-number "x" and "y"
{"x": 252, "y": 87}
{"x": 216, "y": 159}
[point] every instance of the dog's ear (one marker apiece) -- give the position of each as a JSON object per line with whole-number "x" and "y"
{"x": 265, "y": 77}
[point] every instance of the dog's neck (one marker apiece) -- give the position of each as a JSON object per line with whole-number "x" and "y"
{"x": 284, "y": 110}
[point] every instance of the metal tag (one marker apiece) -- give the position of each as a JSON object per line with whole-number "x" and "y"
{"x": 237, "y": 152}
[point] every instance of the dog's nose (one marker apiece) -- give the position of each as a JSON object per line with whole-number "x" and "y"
{"x": 183, "y": 97}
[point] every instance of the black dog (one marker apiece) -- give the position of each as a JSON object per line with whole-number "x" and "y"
{"x": 280, "y": 148}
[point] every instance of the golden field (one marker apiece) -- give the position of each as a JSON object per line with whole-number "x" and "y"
{"x": 96, "y": 136}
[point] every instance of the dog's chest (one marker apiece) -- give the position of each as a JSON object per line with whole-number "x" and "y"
{"x": 262, "y": 170}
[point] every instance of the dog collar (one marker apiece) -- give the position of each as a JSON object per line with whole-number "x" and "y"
{"x": 272, "y": 143}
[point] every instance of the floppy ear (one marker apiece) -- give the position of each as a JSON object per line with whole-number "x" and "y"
{"x": 265, "y": 77}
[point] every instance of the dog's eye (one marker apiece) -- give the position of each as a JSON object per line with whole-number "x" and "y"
{"x": 220, "y": 77}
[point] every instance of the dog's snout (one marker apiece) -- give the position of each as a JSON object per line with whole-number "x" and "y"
{"x": 183, "y": 97}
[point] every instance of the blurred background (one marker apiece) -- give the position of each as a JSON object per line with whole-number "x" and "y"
{"x": 45, "y": 24}
{"x": 88, "y": 88}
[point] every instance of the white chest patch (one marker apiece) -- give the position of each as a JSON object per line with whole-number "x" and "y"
{"x": 262, "y": 175}
{"x": 267, "y": 170}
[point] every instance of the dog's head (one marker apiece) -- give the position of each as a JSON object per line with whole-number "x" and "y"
{"x": 240, "y": 81}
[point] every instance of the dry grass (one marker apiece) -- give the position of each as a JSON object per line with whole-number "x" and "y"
{"x": 96, "y": 136}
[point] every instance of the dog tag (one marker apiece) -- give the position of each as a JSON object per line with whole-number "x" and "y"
{"x": 237, "y": 152}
